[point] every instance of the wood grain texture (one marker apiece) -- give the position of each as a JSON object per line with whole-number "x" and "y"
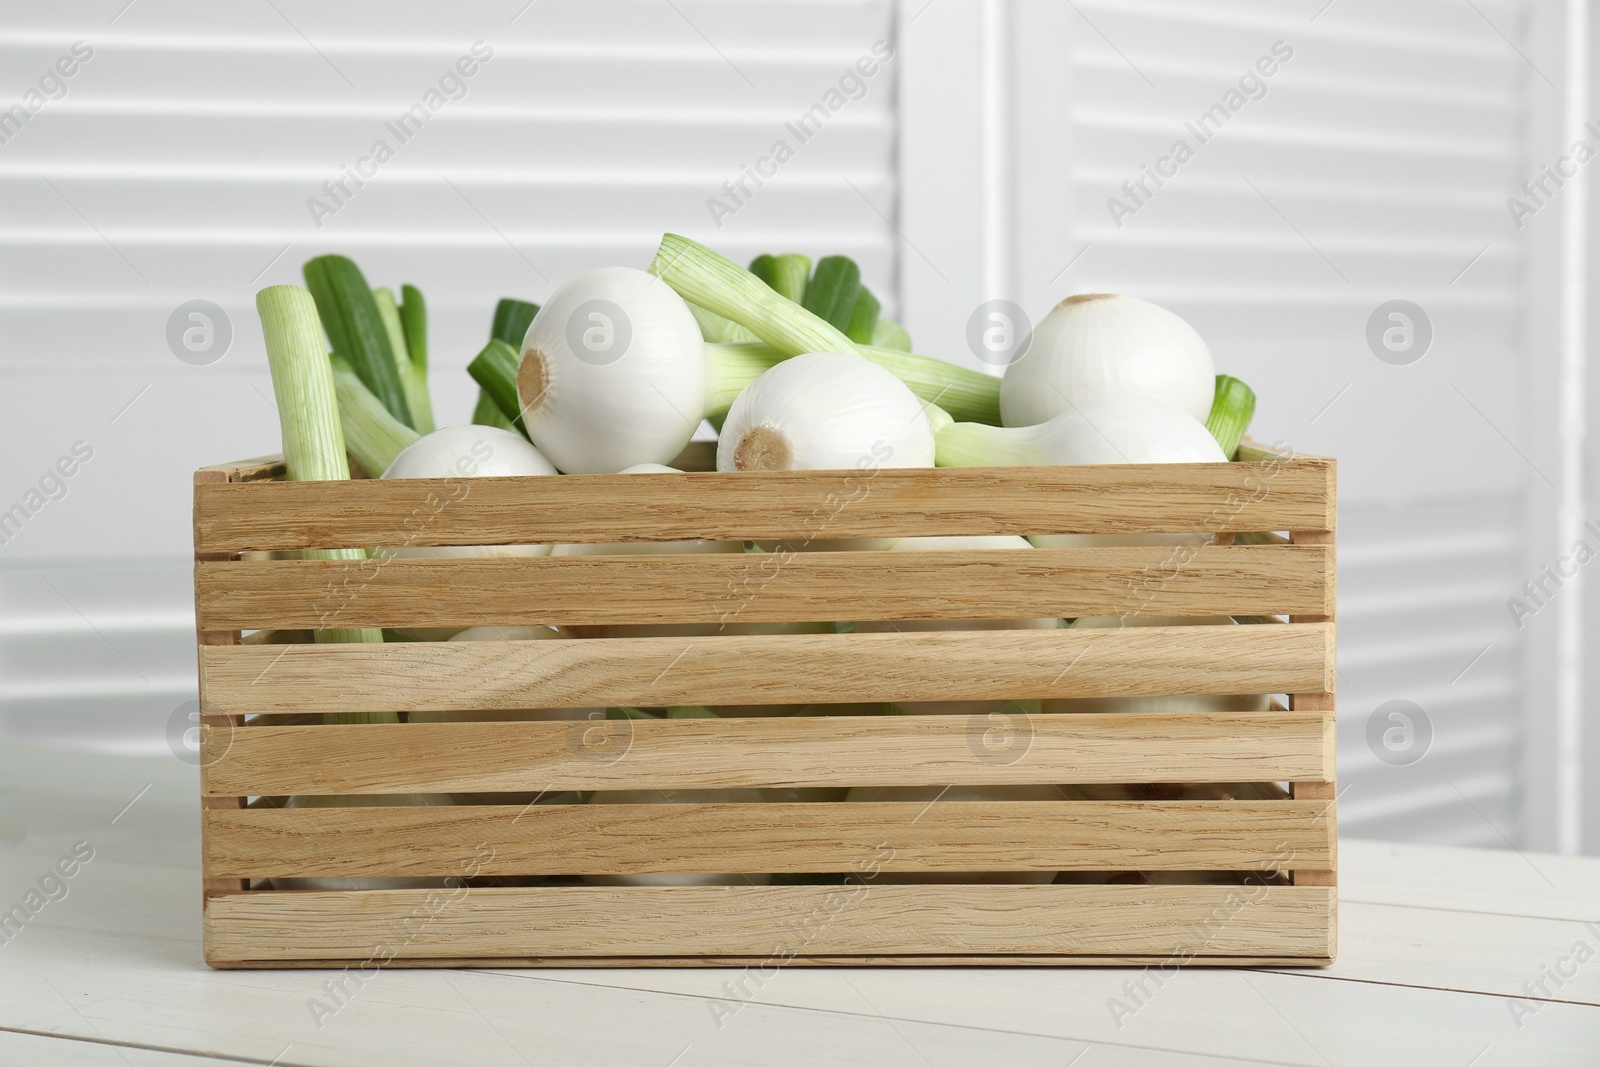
{"x": 778, "y": 669}
{"x": 261, "y": 468}
{"x": 1325, "y": 791}
{"x": 210, "y": 881}
{"x": 1274, "y": 495}
{"x": 766, "y": 962}
{"x": 892, "y": 838}
{"x": 769, "y": 921}
{"x": 486, "y": 757}
{"x": 747, "y": 588}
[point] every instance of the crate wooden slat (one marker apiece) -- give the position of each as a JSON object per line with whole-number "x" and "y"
{"x": 738, "y": 587}
{"x": 775, "y": 669}
{"x": 758, "y": 921}
{"x": 792, "y": 838}
{"x": 258, "y": 690}
{"x": 486, "y": 757}
{"x": 1271, "y": 495}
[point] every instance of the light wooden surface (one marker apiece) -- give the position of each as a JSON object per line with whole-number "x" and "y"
{"x": 1274, "y": 495}
{"x": 1437, "y": 945}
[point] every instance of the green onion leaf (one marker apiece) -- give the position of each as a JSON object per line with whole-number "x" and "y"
{"x": 1232, "y": 408}
{"x": 372, "y": 435}
{"x": 350, "y": 314}
{"x": 863, "y": 318}
{"x": 890, "y": 334}
{"x": 790, "y": 273}
{"x": 495, "y": 370}
{"x": 488, "y": 413}
{"x": 511, "y": 320}
{"x": 413, "y": 377}
{"x": 832, "y": 292}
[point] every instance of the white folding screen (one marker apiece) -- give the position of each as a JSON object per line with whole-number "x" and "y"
{"x": 1275, "y": 173}
{"x": 196, "y": 154}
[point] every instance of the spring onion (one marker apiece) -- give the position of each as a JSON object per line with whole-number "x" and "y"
{"x": 463, "y": 452}
{"x": 488, "y": 413}
{"x": 864, "y": 318}
{"x": 614, "y": 373}
{"x": 1094, "y": 344}
{"x": 372, "y": 435}
{"x": 495, "y": 371}
{"x": 1116, "y": 428}
{"x": 356, "y": 329}
{"x": 891, "y": 335}
{"x": 510, "y": 326}
{"x": 511, "y": 320}
{"x": 1231, "y": 411}
{"x": 714, "y": 327}
{"x": 831, "y": 293}
{"x": 791, "y": 274}
{"x": 308, "y": 413}
{"x": 413, "y": 372}
{"x": 703, "y": 277}
{"x": 825, "y": 411}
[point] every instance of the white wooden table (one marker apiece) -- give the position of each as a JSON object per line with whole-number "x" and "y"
{"x": 1441, "y": 953}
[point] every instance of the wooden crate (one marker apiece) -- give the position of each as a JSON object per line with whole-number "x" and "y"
{"x": 520, "y": 905}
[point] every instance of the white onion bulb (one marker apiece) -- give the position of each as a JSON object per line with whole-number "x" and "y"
{"x": 469, "y": 451}
{"x": 613, "y": 373}
{"x": 1095, "y": 344}
{"x": 825, "y": 411}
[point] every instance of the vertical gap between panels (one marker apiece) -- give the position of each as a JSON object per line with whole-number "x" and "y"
{"x": 1571, "y": 432}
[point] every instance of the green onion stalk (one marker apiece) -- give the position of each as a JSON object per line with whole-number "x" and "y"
{"x": 1232, "y": 408}
{"x": 308, "y": 415}
{"x": 705, "y": 278}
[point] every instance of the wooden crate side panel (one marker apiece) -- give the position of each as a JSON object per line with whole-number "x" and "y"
{"x": 1272, "y": 495}
{"x": 735, "y": 588}
{"x": 774, "y": 838}
{"x": 767, "y": 921}
{"x": 768, "y": 962}
{"x": 776, "y": 669}
{"x": 940, "y": 750}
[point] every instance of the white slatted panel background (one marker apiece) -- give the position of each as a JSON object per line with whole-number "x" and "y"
{"x": 178, "y": 167}
{"x": 1375, "y": 167}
